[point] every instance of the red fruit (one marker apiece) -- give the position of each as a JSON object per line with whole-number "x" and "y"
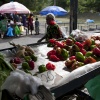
{"x": 52, "y": 41}
{"x": 59, "y": 44}
{"x": 52, "y": 52}
{"x": 17, "y": 60}
{"x": 69, "y": 42}
{"x": 54, "y": 58}
{"x": 96, "y": 51}
{"x": 31, "y": 64}
{"x": 88, "y": 42}
{"x": 83, "y": 51}
{"x": 89, "y": 60}
{"x": 11, "y": 60}
{"x": 72, "y": 57}
{"x": 58, "y": 51}
{"x": 50, "y": 66}
{"x": 80, "y": 45}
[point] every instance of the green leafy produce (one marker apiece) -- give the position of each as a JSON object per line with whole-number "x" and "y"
{"x": 1, "y": 55}
{"x": 5, "y": 69}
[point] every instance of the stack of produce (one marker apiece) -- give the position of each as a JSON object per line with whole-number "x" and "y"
{"x": 75, "y": 54}
{"x": 5, "y": 69}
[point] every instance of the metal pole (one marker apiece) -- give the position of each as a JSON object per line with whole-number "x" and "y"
{"x": 73, "y": 14}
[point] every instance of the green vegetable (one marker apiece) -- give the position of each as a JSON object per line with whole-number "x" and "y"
{"x": 6, "y": 64}
{"x": 27, "y": 58}
{"x": 42, "y": 68}
{"x": 80, "y": 56}
{"x": 71, "y": 37}
{"x": 25, "y": 66}
{"x": 64, "y": 53}
{"x": 27, "y": 71}
{"x": 33, "y": 57}
{"x": 49, "y": 45}
{"x": 2, "y": 55}
{"x": 89, "y": 53}
{"x": 92, "y": 47}
{"x": 93, "y": 41}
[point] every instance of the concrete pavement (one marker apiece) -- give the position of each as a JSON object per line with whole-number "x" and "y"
{"x": 28, "y": 39}
{"x": 22, "y": 40}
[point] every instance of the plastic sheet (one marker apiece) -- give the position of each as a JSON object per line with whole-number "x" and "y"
{"x": 21, "y": 83}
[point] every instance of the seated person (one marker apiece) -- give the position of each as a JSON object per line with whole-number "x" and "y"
{"x": 10, "y": 31}
{"x": 53, "y": 30}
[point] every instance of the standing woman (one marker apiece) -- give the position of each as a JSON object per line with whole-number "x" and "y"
{"x": 3, "y": 25}
{"x": 53, "y": 29}
{"x": 30, "y": 23}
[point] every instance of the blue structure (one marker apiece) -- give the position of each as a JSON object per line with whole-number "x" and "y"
{"x": 56, "y": 10}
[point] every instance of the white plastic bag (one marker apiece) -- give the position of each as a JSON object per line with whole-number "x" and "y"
{"x": 21, "y": 83}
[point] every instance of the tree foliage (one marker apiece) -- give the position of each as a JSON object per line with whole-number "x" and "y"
{"x": 37, "y": 5}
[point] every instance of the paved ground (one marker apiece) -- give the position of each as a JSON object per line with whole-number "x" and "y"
{"x": 28, "y": 39}
{"x": 23, "y": 40}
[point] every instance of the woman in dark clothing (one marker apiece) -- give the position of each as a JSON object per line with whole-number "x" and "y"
{"x": 30, "y": 23}
{"x": 53, "y": 30}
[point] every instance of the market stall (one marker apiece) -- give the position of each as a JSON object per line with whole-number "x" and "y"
{"x": 58, "y": 76}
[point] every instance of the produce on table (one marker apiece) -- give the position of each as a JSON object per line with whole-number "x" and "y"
{"x": 51, "y": 43}
{"x": 14, "y": 65}
{"x": 83, "y": 51}
{"x": 5, "y": 69}
{"x": 64, "y": 53}
{"x": 89, "y": 60}
{"x": 42, "y": 68}
{"x": 92, "y": 47}
{"x": 89, "y": 53}
{"x": 74, "y": 54}
{"x": 52, "y": 52}
{"x": 78, "y": 53}
{"x": 80, "y": 45}
{"x": 72, "y": 57}
{"x": 11, "y": 60}
{"x": 25, "y": 65}
{"x": 31, "y": 64}
{"x": 17, "y": 60}
{"x": 79, "y": 56}
{"x": 27, "y": 58}
{"x": 50, "y": 66}
{"x": 33, "y": 57}
{"x": 69, "y": 42}
{"x": 76, "y": 65}
{"x": 2, "y": 55}
{"x": 22, "y": 50}
{"x": 54, "y": 58}
{"x": 96, "y": 51}
{"x": 87, "y": 44}
{"x": 58, "y": 51}
{"x": 69, "y": 63}
{"x": 5, "y": 65}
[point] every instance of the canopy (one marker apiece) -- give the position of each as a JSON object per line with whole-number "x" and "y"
{"x": 56, "y": 10}
{"x": 14, "y": 7}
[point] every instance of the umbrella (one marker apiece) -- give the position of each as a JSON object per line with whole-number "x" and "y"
{"x": 14, "y": 7}
{"x": 56, "y": 10}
